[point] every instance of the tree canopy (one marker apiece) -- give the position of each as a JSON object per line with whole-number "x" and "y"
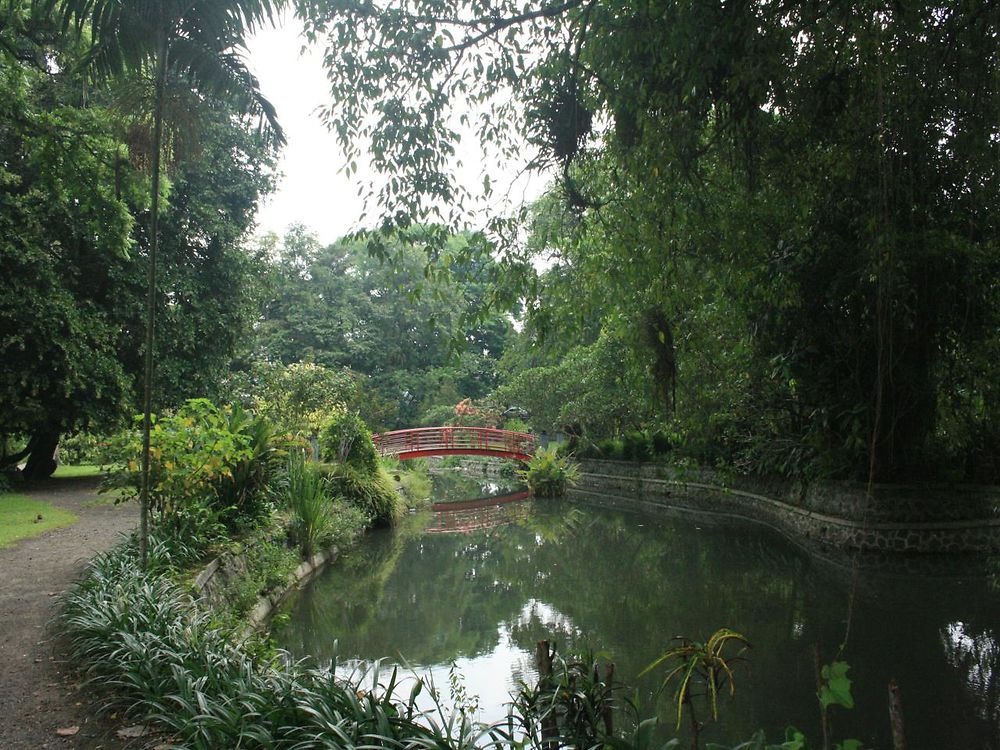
{"x": 815, "y": 180}
{"x": 73, "y": 208}
{"x": 401, "y": 325}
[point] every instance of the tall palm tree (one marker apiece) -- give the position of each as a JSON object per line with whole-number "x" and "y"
{"x": 197, "y": 42}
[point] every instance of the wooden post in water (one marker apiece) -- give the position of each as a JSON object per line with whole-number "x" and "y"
{"x": 543, "y": 660}
{"x": 896, "y": 716}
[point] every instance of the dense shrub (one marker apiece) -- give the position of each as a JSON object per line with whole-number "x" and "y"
{"x": 268, "y": 565}
{"x": 612, "y": 449}
{"x": 209, "y": 468}
{"x": 637, "y": 446}
{"x": 345, "y": 438}
{"x": 244, "y": 490}
{"x": 633, "y": 446}
{"x": 437, "y": 416}
{"x": 83, "y": 448}
{"x": 372, "y": 493}
{"x": 662, "y": 443}
{"x": 517, "y": 425}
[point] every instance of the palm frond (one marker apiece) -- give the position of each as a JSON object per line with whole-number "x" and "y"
{"x": 202, "y": 39}
{"x": 224, "y": 75}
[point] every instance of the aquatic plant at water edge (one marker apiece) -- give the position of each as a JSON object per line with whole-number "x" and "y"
{"x": 693, "y": 662}
{"x": 574, "y": 702}
{"x": 318, "y": 518}
{"x": 549, "y": 473}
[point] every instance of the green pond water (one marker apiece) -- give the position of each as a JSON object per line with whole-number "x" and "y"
{"x": 476, "y": 587}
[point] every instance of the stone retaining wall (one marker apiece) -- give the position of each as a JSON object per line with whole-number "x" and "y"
{"x": 211, "y": 583}
{"x": 490, "y": 467}
{"x": 832, "y": 515}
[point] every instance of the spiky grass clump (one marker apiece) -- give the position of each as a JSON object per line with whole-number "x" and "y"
{"x": 304, "y": 492}
{"x": 371, "y": 492}
{"x": 139, "y": 635}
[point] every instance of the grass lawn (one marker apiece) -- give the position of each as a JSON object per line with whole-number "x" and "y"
{"x": 19, "y": 518}
{"x": 83, "y": 470}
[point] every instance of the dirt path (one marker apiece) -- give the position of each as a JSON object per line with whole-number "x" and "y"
{"x": 38, "y": 692}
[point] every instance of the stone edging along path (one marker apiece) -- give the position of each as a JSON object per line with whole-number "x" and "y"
{"x": 883, "y": 530}
{"x": 211, "y": 583}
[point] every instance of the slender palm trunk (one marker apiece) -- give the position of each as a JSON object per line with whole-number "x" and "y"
{"x": 147, "y": 384}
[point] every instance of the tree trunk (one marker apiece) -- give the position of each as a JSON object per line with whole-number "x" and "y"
{"x": 147, "y": 381}
{"x": 41, "y": 455}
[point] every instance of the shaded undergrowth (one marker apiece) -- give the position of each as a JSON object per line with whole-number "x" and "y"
{"x": 140, "y": 636}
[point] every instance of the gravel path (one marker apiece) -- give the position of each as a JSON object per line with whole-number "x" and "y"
{"x": 39, "y": 694}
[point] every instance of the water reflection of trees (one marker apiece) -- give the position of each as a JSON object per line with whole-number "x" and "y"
{"x": 626, "y": 583}
{"x": 453, "y": 486}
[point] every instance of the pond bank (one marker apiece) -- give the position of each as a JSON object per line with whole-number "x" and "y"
{"x": 213, "y": 585}
{"x": 829, "y": 515}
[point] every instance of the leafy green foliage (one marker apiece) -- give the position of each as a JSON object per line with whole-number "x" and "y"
{"x": 209, "y": 470}
{"x": 401, "y": 326}
{"x": 787, "y": 217}
{"x": 549, "y": 473}
{"x": 836, "y": 687}
{"x": 296, "y": 398}
{"x": 592, "y": 387}
{"x": 64, "y": 229}
{"x": 268, "y": 566}
{"x": 83, "y": 448}
{"x": 73, "y": 200}
{"x": 345, "y": 438}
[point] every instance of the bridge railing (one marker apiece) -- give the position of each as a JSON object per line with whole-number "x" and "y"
{"x": 431, "y": 440}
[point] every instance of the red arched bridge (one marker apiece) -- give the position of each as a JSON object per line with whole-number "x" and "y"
{"x": 449, "y": 441}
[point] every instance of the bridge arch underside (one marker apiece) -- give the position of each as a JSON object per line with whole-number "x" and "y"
{"x": 423, "y": 453}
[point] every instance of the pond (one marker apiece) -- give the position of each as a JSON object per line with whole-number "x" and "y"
{"x": 476, "y": 587}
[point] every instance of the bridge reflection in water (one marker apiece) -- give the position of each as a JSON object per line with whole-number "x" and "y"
{"x": 467, "y": 516}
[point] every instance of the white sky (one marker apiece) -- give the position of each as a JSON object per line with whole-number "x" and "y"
{"x": 312, "y": 190}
